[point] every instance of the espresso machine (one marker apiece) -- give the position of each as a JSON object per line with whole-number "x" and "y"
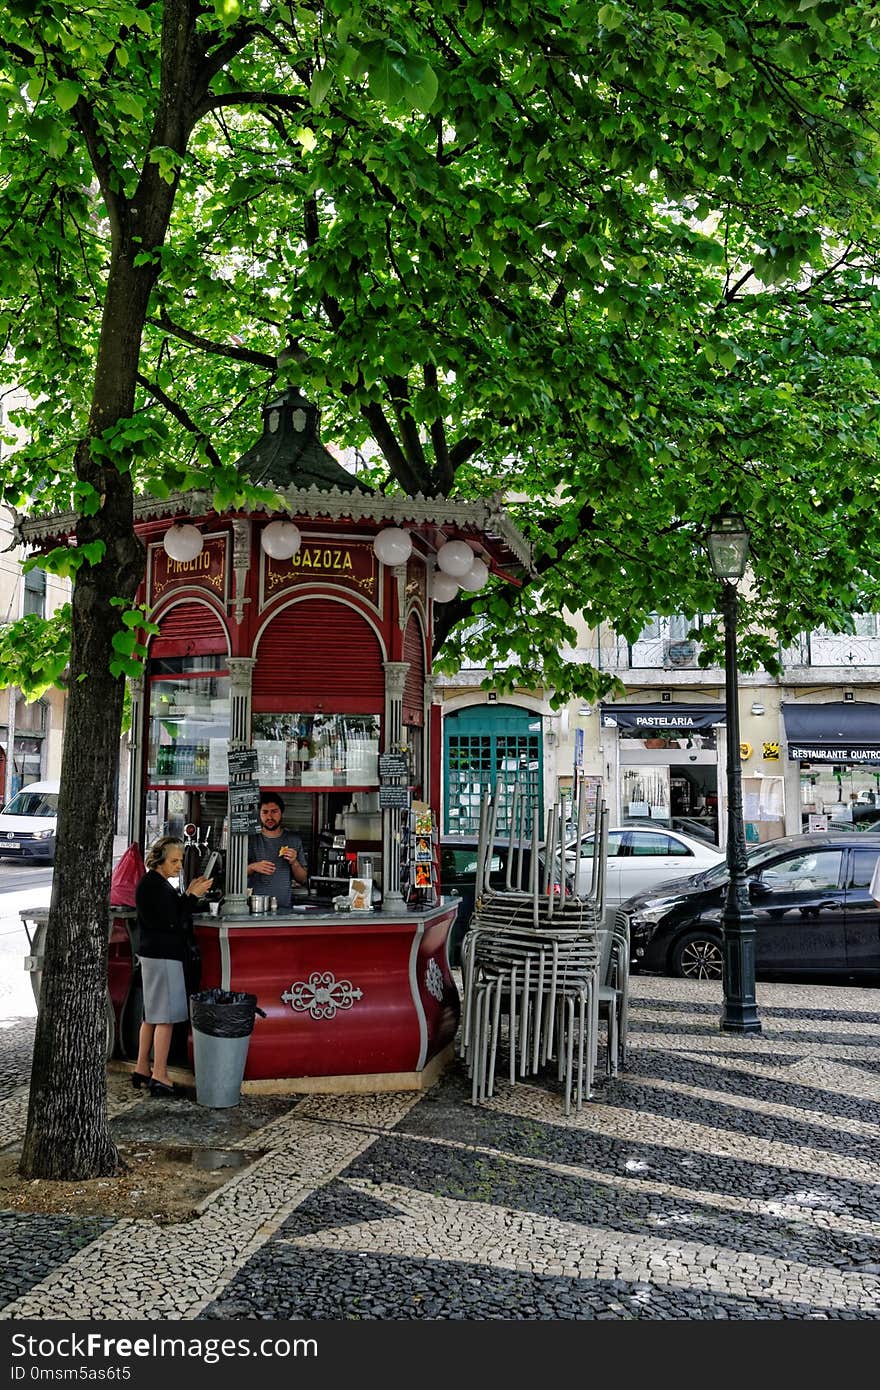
{"x": 333, "y": 865}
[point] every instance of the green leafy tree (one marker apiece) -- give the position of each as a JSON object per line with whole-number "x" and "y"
{"x": 616, "y": 261}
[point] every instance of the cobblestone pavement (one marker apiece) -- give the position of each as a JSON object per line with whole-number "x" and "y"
{"x": 719, "y": 1177}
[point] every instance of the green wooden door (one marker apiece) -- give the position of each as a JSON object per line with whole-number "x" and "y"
{"x": 481, "y": 744}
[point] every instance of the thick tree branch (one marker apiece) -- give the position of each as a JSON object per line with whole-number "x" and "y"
{"x": 233, "y": 43}
{"x": 96, "y": 145}
{"x": 443, "y": 471}
{"x": 398, "y": 390}
{"x": 196, "y": 340}
{"x": 181, "y": 416}
{"x": 278, "y": 101}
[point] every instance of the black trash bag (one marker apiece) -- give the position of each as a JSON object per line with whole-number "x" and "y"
{"x": 224, "y": 1013}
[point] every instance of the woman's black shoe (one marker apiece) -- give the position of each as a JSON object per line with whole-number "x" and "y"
{"x": 138, "y": 1080}
{"x": 158, "y": 1088}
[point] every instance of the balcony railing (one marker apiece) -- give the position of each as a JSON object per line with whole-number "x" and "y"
{"x": 832, "y": 649}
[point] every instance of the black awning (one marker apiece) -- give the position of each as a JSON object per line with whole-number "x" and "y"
{"x": 639, "y": 719}
{"x": 843, "y": 731}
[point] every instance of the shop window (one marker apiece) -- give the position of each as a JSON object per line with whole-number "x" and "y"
{"x": 34, "y": 596}
{"x": 485, "y": 748}
{"x": 188, "y": 731}
{"x": 317, "y": 749}
{"x": 30, "y": 718}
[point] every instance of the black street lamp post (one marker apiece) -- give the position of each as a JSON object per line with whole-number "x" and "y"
{"x": 728, "y": 543}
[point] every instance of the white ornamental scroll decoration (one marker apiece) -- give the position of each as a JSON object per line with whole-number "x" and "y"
{"x": 434, "y": 980}
{"x": 322, "y": 995}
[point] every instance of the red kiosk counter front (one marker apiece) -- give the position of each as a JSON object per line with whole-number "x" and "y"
{"x": 344, "y": 998}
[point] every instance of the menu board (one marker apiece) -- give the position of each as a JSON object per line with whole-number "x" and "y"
{"x": 393, "y": 765}
{"x": 244, "y": 791}
{"x": 394, "y": 796}
{"x": 242, "y": 763}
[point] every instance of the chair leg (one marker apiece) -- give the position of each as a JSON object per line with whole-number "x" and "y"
{"x": 569, "y": 1054}
{"x": 580, "y": 1064}
{"x": 476, "y": 1040}
{"x": 611, "y": 1061}
{"x": 496, "y": 1027}
{"x": 512, "y": 1027}
{"x": 525, "y": 1019}
{"x": 539, "y": 1004}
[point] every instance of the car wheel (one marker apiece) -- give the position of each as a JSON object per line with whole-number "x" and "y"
{"x": 697, "y": 956}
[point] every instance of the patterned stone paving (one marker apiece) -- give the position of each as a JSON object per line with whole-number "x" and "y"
{"x": 717, "y": 1177}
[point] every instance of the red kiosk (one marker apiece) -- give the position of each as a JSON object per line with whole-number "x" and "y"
{"x": 301, "y": 637}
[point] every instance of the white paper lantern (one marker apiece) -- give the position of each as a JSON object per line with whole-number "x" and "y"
{"x": 444, "y": 587}
{"x": 393, "y": 546}
{"x": 281, "y": 539}
{"x": 476, "y": 576}
{"x": 455, "y": 558}
{"x": 182, "y": 542}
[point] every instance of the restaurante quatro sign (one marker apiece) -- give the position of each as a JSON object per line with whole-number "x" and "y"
{"x": 350, "y": 563}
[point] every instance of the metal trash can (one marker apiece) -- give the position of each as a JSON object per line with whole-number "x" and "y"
{"x": 222, "y": 1023}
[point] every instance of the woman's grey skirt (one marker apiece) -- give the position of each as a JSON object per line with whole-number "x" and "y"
{"x": 164, "y": 991}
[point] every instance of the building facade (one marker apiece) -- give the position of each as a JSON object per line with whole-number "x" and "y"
{"x": 809, "y": 750}
{"x": 31, "y": 733}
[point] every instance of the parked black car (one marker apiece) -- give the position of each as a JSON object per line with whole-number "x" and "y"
{"x": 458, "y": 876}
{"x": 809, "y": 893}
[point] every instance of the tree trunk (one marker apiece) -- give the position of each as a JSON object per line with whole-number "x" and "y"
{"x": 68, "y": 1133}
{"x": 67, "y": 1127}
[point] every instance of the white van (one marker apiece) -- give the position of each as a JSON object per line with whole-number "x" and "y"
{"x": 28, "y": 823}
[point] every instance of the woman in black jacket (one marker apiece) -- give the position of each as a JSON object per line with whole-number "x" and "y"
{"x": 164, "y": 916}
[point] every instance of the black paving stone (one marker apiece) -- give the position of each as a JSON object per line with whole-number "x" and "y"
{"x": 335, "y": 1205}
{"x": 482, "y": 1178}
{"x": 723, "y": 1074}
{"x": 32, "y": 1246}
{"x": 284, "y": 1282}
{"x": 648, "y": 1100}
{"x": 16, "y": 1050}
{"x": 776, "y": 1033}
{"x": 643, "y": 1004}
{"x": 451, "y": 1116}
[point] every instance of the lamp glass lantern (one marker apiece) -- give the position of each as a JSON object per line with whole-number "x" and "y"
{"x": 444, "y": 588}
{"x": 281, "y": 540}
{"x": 182, "y": 542}
{"x": 393, "y": 545}
{"x": 728, "y": 545}
{"x": 476, "y": 576}
{"x": 455, "y": 558}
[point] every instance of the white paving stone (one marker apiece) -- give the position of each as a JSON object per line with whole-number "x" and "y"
{"x": 440, "y": 1228}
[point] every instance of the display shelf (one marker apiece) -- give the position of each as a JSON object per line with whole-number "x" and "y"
{"x": 154, "y": 784}
{"x": 316, "y": 789}
{"x": 314, "y": 750}
{"x": 420, "y": 859}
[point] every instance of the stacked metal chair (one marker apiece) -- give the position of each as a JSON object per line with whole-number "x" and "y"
{"x": 531, "y": 960}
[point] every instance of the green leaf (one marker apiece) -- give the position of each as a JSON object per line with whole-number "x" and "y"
{"x": 67, "y": 93}
{"x": 611, "y": 16}
{"x": 130, "y": 104}
{"x": 320, "y": 85}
